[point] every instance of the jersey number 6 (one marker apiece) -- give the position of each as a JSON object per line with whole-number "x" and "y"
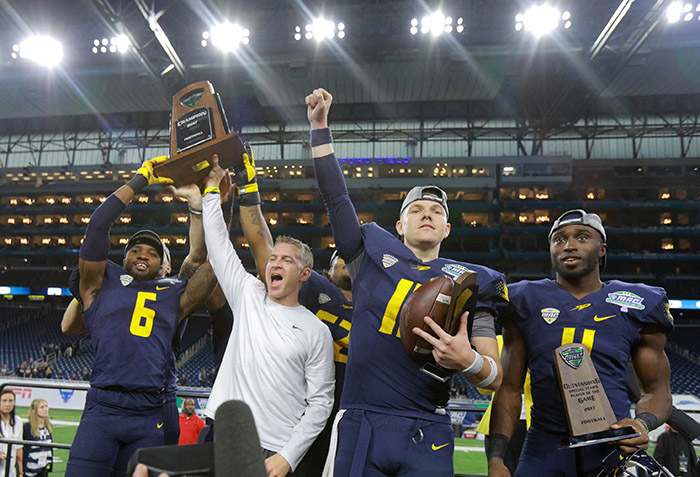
{"x": 138, "y": 328}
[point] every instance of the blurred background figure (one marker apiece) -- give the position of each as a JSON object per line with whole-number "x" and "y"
{"x": 38, "y": 460}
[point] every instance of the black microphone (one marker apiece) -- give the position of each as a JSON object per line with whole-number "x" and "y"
{"x": 237, "y": 450}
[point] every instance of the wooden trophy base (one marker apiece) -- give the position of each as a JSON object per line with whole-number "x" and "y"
{"x": 609, "y": 435}
{"x": 193, "y": 166}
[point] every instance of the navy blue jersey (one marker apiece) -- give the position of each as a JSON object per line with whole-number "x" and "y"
{"x": 132, "y": 324}
{"x": 324, "y": 299}
{"x": 380, "y": 376}
{"x": 607, "y": 322}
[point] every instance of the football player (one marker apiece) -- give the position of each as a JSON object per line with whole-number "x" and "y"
{"x": 132, "y": 317}
{"x": 613, "y": 320}
{"x": 393, "y": 418}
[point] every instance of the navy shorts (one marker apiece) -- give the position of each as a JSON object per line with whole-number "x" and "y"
{"x": 541, "y": 457}
{"x": 375, "y": 444}
{"x": 114, "y": 426}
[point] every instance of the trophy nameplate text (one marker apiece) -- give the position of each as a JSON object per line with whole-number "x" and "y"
{"x": 588, "y": 411}
{"x": 198, "y": 130}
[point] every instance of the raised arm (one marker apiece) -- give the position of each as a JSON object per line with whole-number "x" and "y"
{"x": 198, "y": 290}
{"x": 654, "y": 374}
{"x": 95, "y": 247}
{"x": 255, "y": 229}
{"x": 72, "y": 322}
{"x": 329, "y": 177}
{"x": 507, "y": 401}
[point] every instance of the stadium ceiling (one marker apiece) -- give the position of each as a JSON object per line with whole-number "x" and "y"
{"x": 618, "y": 57}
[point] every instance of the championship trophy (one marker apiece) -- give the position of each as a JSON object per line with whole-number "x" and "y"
{"x": 588, "y": 411}
{"x": 198, "y": 130}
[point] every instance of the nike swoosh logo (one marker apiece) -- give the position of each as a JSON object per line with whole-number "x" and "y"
{"x": 440, "y": 447}
{"x": 602, "y": 318}
{"x": 295, "y": 327}
{"x": 159, "y": 425}
{"x": 161, "y": 288}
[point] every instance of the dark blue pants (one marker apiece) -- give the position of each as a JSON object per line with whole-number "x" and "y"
{"x": 171, "y": 428}
{"x": 372, "y": 444}
{"x": 541, "y": 457}
{"x": 114, "y": 426}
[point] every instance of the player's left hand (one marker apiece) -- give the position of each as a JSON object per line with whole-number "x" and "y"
{"x": 451, "y": 352}
{"x": 627, "y": 446}
{"x": 215, "y": 174}
{"x": 277, "y": 466}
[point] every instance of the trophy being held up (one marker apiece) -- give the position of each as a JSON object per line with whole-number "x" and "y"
{"x": 198, "y": 130}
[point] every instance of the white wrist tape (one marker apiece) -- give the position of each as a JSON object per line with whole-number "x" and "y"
{"x": 475, "y": 367}
{"x": 492, "y": 375}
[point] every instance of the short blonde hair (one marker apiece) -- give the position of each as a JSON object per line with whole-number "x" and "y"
{"x": 307, "y": 258}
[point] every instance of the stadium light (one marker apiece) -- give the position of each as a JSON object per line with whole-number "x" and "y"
{"x": 43, "y": 50}
{"x": 320, "y": 29}
{"x": 678, "y": 11}
{"x": 542, "y": 19}
{"x": 117, "y": 44}
{"x": 226, "y": 37}
{"x": 436, "y": 24}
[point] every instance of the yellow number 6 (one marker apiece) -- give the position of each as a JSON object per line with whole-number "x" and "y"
{"x": 140, "y": 311}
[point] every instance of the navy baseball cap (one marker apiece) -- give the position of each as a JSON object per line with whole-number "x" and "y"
{"x": 433, "y": 193}
{"x": 580, "y": 217}
{"x": 147, "y": 237}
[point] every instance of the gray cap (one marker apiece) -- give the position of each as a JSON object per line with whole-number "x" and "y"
{"x": 147, "y": 237}
{"x": 580, "y": 217}
{"x": 433, "y": 193}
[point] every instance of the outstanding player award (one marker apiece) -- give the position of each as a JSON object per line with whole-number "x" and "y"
{"x": 588, "y": 410}
{"x": 199, "y": 129}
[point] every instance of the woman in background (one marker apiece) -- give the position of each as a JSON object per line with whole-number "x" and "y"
{"x": 10, "y": 428}
{"x": 38, "y": 460}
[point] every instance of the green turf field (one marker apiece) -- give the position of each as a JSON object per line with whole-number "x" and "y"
{"x": 470, "y": 460}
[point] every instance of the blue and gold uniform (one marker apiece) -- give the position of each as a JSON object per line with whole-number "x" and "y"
{"x": 132, "y": 324}
{"x": 608, "y": 323}
{"x": 381, "y": 381}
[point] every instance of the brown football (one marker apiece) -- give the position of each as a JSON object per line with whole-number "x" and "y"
{"x": 433, "y": 300}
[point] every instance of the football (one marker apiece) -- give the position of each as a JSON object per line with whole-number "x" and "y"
{"x": 433, "y": 300}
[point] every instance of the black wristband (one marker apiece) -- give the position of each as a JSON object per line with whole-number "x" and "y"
{"x": 250, "y": 199}
{"x": 498, "y": 445}
{"x": 137, "y": 183}
{"x": 319, "y": 137}
{"x": 649, "y": 420}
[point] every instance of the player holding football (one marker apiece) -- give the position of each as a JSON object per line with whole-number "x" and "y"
{"x": 614, "y": 320}
{"x": 393, "y": 419}
{"x": 132, "y": 317}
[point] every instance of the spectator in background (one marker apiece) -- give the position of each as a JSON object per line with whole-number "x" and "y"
{"x": 85, "y": 375}
{"x": 190, "y": 423}
{"x": 74, "y": 377}
{"x": 38, "y": 460}
{"x": 4, "y": 371}
{"x": 10, "y": 428}
{"x": 59, "y": 374}
{"x": 49, "y": 372}
{"x": 676, "y": 453}
{"x": 183, "y": 380}
{"x": 203, "y": 377}
{"x": 212, "y": 376}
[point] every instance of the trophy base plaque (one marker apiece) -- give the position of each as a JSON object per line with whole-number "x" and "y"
{"x": 437, "y": 372}
{"x": 194, "y": 166}
{"x": 609, "y": 435}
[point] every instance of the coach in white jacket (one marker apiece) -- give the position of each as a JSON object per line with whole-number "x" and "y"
{"x": 279, "y": 357}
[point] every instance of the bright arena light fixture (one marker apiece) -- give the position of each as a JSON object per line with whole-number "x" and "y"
{"x": 43, "y": 50}
{"x": 542, "y": 19}
{"x": 436, "y": 24}
{"x": 678, "y": 11}
{"x": 320, "y": 29}
{"x": 226, "y": 37}
{"x": 112, "y": 45}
